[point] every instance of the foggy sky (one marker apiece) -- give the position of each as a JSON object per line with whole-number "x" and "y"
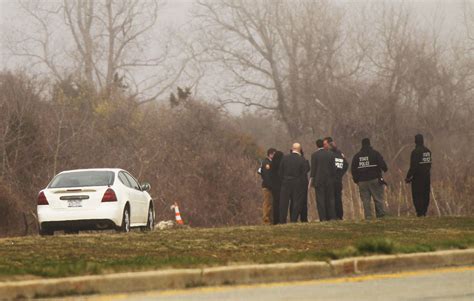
{"x": 177, "y": 13}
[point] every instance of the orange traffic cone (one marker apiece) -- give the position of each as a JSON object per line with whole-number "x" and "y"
{"x": 179, "y": 220}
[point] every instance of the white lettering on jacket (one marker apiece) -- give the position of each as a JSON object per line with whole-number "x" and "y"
{"x": 426, "y": 159}
{"x": 365, "y": 163}
{"x": 339, "y": 163}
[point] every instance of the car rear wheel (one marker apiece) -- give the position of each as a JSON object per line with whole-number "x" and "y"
{"x": 150, "y": 220}
{"x": 46, "y": 232}
{"x": 125, "y": 227}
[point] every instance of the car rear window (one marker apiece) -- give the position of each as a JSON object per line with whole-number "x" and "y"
{"x": 83, "y": 178}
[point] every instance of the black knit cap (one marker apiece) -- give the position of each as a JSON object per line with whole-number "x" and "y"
{"x": 419, "y": 139}
{"x": 365, "y": 142}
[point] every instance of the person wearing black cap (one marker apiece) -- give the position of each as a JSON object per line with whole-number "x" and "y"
{"x": 265, "y": 172}
{"x": 366, "y": 168}
{"x": 419, "y": 176}
{"x": 341, "y": 167}
{"x": 323, "y": 175}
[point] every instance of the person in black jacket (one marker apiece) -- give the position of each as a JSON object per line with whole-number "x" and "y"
{"x": 265, "y": 172}
{"x": 323, "y": 176}
{"x": 367, "y": 167}
{"x": 341, "y": 168}
{"x": 276, "y": 185}
{"x": 293, "y": 172}
{"x": 419, "y": 176}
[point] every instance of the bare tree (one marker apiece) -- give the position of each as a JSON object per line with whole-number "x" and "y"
{"x": 104, "y": 43}
{"x": 18, "y": 101}
{"x": 468, "y": 9}
{"x": 416, "y": 80}
{"x": 469, "y": 48}
{"x": 285, "y": 56}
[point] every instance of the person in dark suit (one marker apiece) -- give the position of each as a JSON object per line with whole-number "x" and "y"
{"x": 323, "y": 175}
{"x": 303, "y": 213}
{"x": 304, "y": 209}
{"x": 293, "y": 173}
{"x": 276, "y": 185}
{"x": 341, "y": 168}
{"x": 419, "y": 176}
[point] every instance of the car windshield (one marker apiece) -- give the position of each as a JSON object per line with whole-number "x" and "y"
{"x": 83, "y": 178}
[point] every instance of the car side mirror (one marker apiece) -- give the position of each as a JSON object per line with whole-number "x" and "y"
{"x": 145, "y": 186}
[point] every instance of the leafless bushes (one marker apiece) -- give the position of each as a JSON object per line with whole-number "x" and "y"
{"x": 202, "y": 162}
{"x": 190, "y": 153}
{"x": 10, "y": 213}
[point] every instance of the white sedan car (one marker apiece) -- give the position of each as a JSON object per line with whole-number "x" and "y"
{"x": 94, "y": 199}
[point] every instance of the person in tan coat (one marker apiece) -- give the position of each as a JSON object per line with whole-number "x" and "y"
{"x": 265, "y": 171}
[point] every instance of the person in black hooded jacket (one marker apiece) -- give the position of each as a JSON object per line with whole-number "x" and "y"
{"x": 419, "y": 176}
{"x": 367, "y": 167}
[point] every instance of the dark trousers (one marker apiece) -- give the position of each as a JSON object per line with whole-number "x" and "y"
{"x": 301, "y": 206}
{"x": 292, "y": 193}
{"x": 325, "y": 201}
{"x": 338, "y": 199}
{"x": 420, "y": 191}
{"x": 276, "y": 205}
{"x": 304, "y": 205}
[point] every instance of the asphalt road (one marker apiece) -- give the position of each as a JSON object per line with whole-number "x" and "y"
{"x": 442, "y": 284}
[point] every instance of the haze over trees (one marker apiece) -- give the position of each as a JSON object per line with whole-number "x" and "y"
{"x": 106, "y": 84}
{"x": 100, "y": 44}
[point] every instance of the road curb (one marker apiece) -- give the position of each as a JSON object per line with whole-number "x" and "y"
{"x": 112, "y": 283}
{"x": 265, "y": 273}
{"x": 239, "y": 274}
{"x": 403, "y": 262}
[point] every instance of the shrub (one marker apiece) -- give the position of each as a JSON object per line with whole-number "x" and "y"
{"x": 376, "y": 246}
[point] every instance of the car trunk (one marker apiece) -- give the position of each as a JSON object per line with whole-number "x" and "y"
{"x": 77, "y": 198}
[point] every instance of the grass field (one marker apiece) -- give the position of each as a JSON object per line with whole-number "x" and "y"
{"x": 85, "y": 254}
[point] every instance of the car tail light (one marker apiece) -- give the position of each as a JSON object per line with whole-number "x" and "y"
{"x": 109, "y": 196}
{"x": 42, "y": 199}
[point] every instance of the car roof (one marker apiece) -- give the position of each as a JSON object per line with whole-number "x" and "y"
{"x": 115, "y": 170}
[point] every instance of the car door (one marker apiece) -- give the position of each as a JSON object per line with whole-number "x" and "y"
{"x": 140, "y": 199}
{"x": 131, "y": 197}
